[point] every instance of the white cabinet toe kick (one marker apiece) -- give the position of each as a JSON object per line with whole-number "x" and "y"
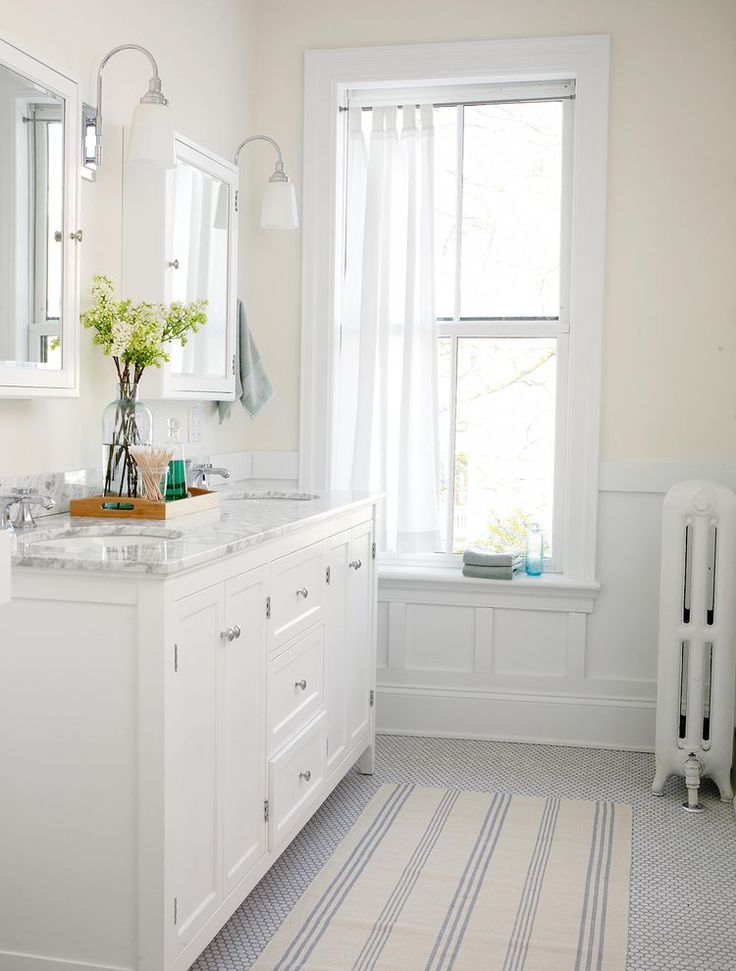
{"x": 163, "y": 739}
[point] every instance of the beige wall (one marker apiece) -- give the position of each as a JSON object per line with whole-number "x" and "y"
{"x": 231, "y": 66}
{"x": 205, "y": 53}
{"x": 670, "y": 331}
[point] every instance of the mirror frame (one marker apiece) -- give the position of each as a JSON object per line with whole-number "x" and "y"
{"x": 30, "y": 382}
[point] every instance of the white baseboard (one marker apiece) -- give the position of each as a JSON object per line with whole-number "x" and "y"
{"x": 586, "y": 721}
{"x": 32, "y": 962}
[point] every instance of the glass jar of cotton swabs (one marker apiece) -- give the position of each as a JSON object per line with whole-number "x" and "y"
{"x": 153, "y": 467}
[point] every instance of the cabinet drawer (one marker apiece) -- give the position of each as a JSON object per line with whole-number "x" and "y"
{"x": 295, "y": 781}
{"x": 297, "y": 592}
{"x": 295, "y": 686}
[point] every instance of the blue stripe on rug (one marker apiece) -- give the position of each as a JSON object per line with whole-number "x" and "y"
{"x": 529, "y": 903}
{"x": 451, "y": 932}
{"x": 384, "y": 925}
{"x": 324, "y": 910}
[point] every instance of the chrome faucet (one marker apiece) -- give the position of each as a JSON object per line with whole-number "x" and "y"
{"x": 25, "y": 500}
{"x": 201, "y": 472}
{"x": 7, "y": 504}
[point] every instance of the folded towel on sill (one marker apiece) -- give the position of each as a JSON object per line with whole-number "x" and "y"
{"x": 476, "y": 556}
{"x": 488, "y": 572}
{"x": 252, "y": 386}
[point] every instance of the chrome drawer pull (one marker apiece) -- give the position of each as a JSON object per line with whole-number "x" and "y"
{"x": 229, "y": 634}
{"x": 305, "y": 775}
{"x": 304, "y": 592}
{"x": 237, "y": 631}
{"x": 355, "y": 564}
{"x": 301, "y": 684}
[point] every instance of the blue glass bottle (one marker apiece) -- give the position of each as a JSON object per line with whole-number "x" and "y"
{"x": 534, "y": 551}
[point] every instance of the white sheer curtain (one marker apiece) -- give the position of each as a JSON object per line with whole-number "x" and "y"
{"x": 386, "y": 424}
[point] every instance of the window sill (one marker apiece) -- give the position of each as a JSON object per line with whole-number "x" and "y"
{"x": 442, "y": 584}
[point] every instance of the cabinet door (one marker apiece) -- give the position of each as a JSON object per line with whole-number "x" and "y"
{"x": 180, "y": 244}
{"x": 359, "y": 642}
{"x": 191, "y": 763}
{"x": 336, "y": 634}
{"x": 243, "y": 726}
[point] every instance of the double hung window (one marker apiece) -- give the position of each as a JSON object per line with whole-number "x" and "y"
{"x": 502, "y": 166}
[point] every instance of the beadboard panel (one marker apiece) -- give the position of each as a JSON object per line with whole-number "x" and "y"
{"x": 451, "y": 661}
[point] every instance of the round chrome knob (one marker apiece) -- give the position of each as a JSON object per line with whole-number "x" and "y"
{"x": 304, "y": 592}
{"x": 301, "y": 684}
{"x": 174, "y": 264}
{"x": 355, "y": 564}
{"x": 305, "y": 775}
{"x": 228, "y": 634}
{"x": 237, "y": 631}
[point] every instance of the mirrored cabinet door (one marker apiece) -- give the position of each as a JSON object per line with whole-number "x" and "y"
{"x": 39, "y": 169}
{"x": 179, "y": 244}
{"x": 198, "y": 206}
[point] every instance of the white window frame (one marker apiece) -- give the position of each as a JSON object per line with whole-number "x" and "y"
{"x": 328, "y": 77}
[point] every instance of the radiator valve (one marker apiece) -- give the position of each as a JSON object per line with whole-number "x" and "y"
{"x": 693, "y": 769}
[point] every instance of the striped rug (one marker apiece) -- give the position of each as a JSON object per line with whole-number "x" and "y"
{"x": 440, "y": 879}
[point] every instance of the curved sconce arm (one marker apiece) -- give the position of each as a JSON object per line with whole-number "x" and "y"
{"x": 278, "y": 210}
{"x": 279, "y": 174}
{"x": 154, "y": 94}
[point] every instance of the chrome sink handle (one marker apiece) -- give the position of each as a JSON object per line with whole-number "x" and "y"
{"x": 26, "y": 499}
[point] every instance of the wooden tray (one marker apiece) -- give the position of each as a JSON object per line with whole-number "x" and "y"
{"x": 125, "y": 508}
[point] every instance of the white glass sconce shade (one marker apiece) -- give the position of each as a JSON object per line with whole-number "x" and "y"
{"x": 151, "y": 140}
{"x": 278, "y": 209}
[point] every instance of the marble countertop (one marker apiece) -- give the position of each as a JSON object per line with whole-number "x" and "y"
{"x": 250, "y": 513}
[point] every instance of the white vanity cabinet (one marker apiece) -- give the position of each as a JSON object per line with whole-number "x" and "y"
{"x": 164, "y": 738}
{"x": 215, "y": 752}
{"x": 180, "y": 244}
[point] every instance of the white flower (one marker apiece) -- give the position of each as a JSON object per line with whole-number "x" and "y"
{"x": 122, "y": 332}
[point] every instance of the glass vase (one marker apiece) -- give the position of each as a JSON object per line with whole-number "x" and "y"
{"x": 125, "y": 422}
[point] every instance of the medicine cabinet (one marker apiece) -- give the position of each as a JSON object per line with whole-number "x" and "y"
{"x": 39, "y": 233}
{"x": 180, "y": 244}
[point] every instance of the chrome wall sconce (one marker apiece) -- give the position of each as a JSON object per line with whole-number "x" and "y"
{"x": 278, "y": 209}
{"x": 151, "y": 138}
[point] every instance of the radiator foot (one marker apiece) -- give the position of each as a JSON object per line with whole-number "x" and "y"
{"x": 660, "y": 777}
{"x": 725, "y": 787}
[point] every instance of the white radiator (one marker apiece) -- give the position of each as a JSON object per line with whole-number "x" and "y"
{"x": 697, "y": 639}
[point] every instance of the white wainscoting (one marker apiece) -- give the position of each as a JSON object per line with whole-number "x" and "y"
{"x": 474, "y": 662}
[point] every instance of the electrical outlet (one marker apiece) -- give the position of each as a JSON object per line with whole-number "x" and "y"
{"x": 194, "y": 424}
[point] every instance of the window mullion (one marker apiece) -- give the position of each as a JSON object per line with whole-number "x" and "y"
{"x": 452, "y": 418}
{"x": 450, "y": 532}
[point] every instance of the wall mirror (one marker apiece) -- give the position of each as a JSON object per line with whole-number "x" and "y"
{"x": 180, "y": 243}
{"x": 39, "y": 238}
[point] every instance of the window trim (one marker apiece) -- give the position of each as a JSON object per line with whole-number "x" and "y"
{"x": 328, "y": 77}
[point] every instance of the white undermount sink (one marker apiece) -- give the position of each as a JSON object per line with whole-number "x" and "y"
{"x": 4, "y": 567}
{"x": 268, "y": 494}
{"x": 106, "y": 538}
